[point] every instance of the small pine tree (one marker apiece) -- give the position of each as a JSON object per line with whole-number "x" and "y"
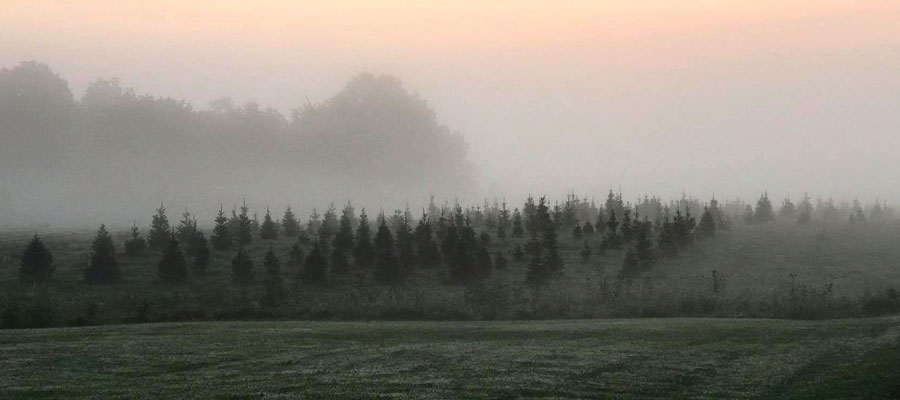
{"x": 186, "y": 230}
{"x": 330, "y": 225}
{"x": 405, "y": 245}
{"x": 387, "y": 267}
{"x": 788, "y": 209}
{"x": 172, "y": 268}
{"x": 274, "y": 286}
{"x": 244, "y": 226}
{"x": 289, "y": 224}
{"x": 242, "y": 267}
{"x": 707, "y": 226}
{"x": 517, "y": 229}
{"x": 37, "y": 262}
{"x": 221, "y": 237}
{"x": 200, "y": 253}
{"x": 158, "y": 238}
{"x": 805, "y": 214}
{"x": 315, "y": 266}
{"x": 503, "y": 221}
{"x": 136, "y": 245}
{"x": 343, "y": 240}
{"x": 764, "y": 212}
{"x": 612, "y": 239}
{"x": 362, "y": 252}
{"x": 429, "y": 255}
{"x": 627, "y": 227}
{"x": 103, "y": 267}
{"x": 577, "y": 232}
{"x": 269, "y": 229}
{"x": 588, "y": 229}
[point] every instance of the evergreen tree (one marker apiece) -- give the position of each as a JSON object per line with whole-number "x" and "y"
{"x": 186, "y": 230}
{"x": 330, "y": 225}
{"x": 37, "y": 262}
{"x": 387, "y": 267}
{"x": 103, "y": 267}
{"x": 546, "y": 262}
{"x": 313, "y": 224}
{"x": 748, "y": 217}
{"x": 600, "y": 226}
{"x": 343, "y": 240}
{"x": 857, "y": 212}
{"x": 363, "y": 252}
{"x": 588, "y": 228}
{"x": 429, "y": 255}
{"x": 295, "y": 259}
{"x": 200, "y": 254}
{"x": 667, "y": 240}
{"x": 764, "y": 212}
{"x": 517, "y": 229}
{"x": 221, "y": 237}
{"x": 627, "y": 227}
{"x": 530, "y": 211}
{"x": 242, "y": 267}
{"x": 612, "y": 239}
{"x": 707, "y": 226}
{"x": 136, "y": 245}
{"x": 316, "y": 265}
{"x": 172, "y": 268}
{"x": 274, "y": 286}
{"x": 269, "y": 229}
{"x": 405, "y": 245}
{"x": 339, "y": 263}
{"x": 158, "y": 238}
{"x": 502, "y": 221}
{"x": 788, "y": 209}
{"x": 643, "y": 247}
{"x": 289, "y": 224}
{"x": 577, "y": 232}
{"x": 500, "y": 261}
{"x": 244, "y": 226}
{"x": 805, "y": 214}
{"x": 483, "y": 256}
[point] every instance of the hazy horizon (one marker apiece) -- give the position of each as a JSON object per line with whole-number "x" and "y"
{"x": 729, "y": 98}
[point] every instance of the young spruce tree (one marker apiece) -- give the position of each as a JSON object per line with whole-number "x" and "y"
{"x": 172, "y": 268}
{"x": 158, "y": 238}
{"x": 269, "y": 229}
{"x": 102, "y": 266}
{"x": 221, "y": 238}
{"x": 36, "y": 263}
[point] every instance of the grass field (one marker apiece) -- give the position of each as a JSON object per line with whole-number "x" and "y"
{"x": 687, "y": 358}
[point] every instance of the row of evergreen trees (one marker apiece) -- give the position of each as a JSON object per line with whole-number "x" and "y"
{"x": 441, "y": 237}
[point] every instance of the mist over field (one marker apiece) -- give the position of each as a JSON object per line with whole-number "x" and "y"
{"x": 249, "y": 101}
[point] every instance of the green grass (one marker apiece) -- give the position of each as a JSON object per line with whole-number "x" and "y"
{"x": 644, "y": 358}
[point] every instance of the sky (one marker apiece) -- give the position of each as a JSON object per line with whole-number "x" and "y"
{"x": 658, "y": 97}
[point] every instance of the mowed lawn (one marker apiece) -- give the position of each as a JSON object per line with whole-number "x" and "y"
{"x": 692, "y": 358}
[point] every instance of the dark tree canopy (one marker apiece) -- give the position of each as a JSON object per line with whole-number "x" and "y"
{"x": 37, "y": 262}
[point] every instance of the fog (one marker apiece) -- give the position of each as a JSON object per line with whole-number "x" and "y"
{"x": 728, "y": 98}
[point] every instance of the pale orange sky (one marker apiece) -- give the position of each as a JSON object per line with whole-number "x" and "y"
{"x": 795, "y": 93}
